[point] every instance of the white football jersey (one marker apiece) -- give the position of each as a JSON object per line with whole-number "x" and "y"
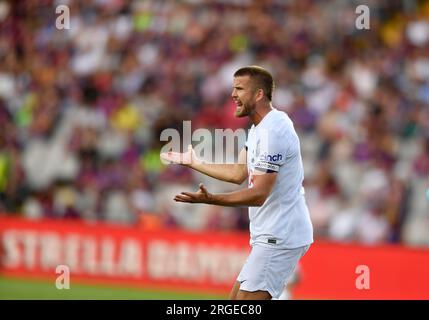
{"x": 283, "y": 220}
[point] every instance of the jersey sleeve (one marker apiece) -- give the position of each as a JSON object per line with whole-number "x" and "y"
{"x": 271, "y": 152}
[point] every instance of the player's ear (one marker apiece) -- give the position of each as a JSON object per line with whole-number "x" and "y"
{"x": 259, "y": 94}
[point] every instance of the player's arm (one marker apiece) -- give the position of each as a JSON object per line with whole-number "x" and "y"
{"x": 234, "y": 173}
{"x": 251, "y": 197}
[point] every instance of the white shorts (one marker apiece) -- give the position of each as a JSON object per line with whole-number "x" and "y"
{"x": 268, "y": 269}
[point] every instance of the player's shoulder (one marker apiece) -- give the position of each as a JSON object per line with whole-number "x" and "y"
{"x": 279, "y": 122}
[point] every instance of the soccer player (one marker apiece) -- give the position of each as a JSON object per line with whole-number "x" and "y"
{"x": 280, "y": 227}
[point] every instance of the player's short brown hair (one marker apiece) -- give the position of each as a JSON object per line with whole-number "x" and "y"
{"x": 261, "y": 77}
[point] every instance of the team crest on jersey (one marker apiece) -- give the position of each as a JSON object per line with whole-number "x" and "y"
{"x": 256, "y": 152}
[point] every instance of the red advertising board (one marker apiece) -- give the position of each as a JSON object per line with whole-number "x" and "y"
{"x": 164, "y": 258}
{"x": 202, "y": 261}
{"x": 336, "y": 271}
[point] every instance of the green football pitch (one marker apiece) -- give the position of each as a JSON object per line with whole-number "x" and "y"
{"x": 13, "y": 288}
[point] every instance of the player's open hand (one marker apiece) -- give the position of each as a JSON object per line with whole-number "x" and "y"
{"x": 201, "y": 196}
{"x": 186, "y": 158}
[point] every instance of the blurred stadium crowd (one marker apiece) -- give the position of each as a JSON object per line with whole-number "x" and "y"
{"x": 81, "y": 110}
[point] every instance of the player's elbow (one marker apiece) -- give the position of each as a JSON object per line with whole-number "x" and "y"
{"x": 238, "y": 180}
{"x": 240, "y": 174}
{"x": 259, "y": 201}
{"x": 260, "y": 198}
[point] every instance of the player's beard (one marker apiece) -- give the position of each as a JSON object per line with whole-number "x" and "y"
{"x": 244, "y": 110}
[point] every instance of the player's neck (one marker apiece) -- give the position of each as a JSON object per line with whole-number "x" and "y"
{"x": 260, "y": 112}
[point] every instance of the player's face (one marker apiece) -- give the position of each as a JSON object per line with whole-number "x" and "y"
{"x": 244, "y": 96}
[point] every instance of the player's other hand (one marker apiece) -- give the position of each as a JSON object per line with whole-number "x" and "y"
{"x": 201, "y": 196}
{"x": 186, "y": 158}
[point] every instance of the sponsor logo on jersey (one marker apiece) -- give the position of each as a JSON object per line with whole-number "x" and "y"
{"x": 270, "y": 158}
